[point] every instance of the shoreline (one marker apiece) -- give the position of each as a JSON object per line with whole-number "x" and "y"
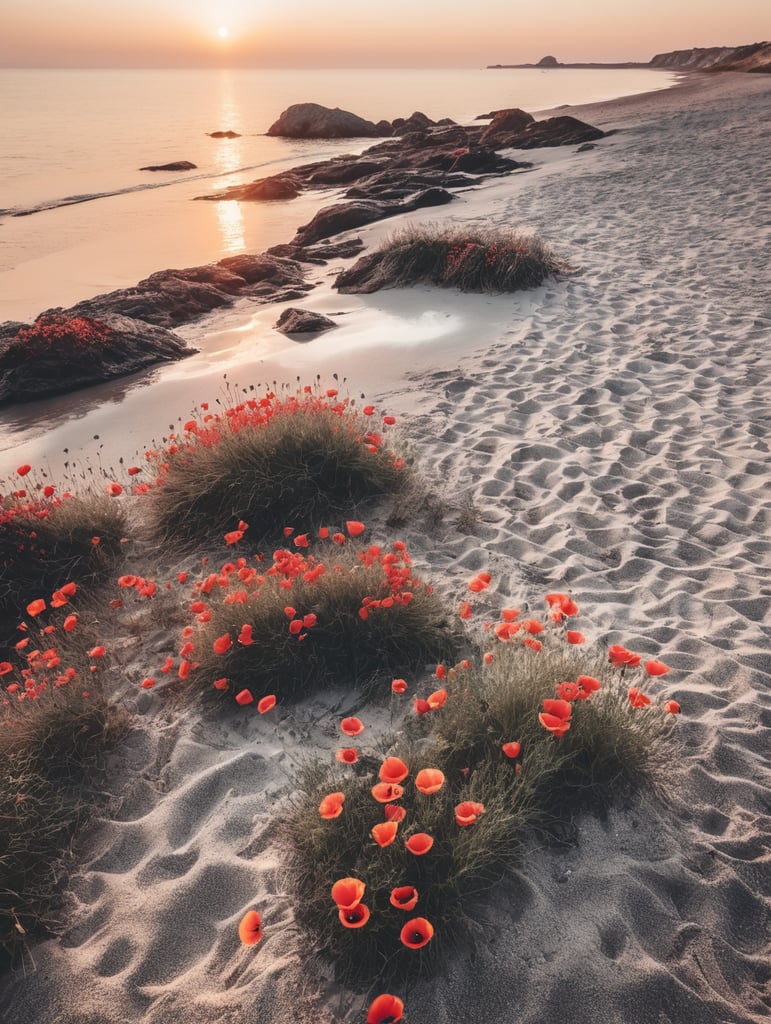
{"x": 610, "y": 433}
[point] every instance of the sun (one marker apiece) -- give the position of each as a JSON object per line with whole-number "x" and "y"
{"x": 223, "y": 31}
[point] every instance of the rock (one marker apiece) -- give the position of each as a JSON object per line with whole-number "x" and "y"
{"x": 417, "y": 122}
{"x": 331, "y": 220}
{"x": 586, "y": 147}
{"x": 344, "y": 171}
{"x": 169, "y": 298}
{"x": 504, "y": 123}
{"x": 177, "y": 165}
{"x": 312, "y": 121}
{"x": 302, "y": 321}
{"x": 553, "y": 131}
{"x": 224, "y": 135}
{"x": 119, "y": 345}
{"x": 548, "y": 62}
{"x": 277, "y": 186}
{"x": 319, "y": 254}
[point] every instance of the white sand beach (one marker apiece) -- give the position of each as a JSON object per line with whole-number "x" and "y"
{"x": 612, "y": 431}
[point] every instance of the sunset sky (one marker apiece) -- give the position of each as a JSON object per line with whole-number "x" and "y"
{"x": 362, "y": 33}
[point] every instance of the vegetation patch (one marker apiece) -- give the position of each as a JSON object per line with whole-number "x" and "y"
{"x": 484, "y": 260}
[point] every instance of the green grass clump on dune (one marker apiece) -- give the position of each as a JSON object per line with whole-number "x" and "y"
{"x": 470, "y": 259}
{"x": 271, "y": 462}
{"x": 307, "y": 621}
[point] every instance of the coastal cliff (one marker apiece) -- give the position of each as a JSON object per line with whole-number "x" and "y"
{"x": 752, "y": 57}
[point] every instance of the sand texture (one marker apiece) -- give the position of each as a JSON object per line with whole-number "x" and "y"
{"x": 612, "y": 439}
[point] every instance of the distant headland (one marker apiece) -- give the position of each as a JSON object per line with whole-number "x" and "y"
{"x": 754, "y": 57}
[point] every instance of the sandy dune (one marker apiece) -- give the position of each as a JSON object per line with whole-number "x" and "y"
{"x": 613, "y": 436}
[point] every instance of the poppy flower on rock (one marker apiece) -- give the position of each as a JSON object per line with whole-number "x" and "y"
{"x": 419, "y": 843}
{"x": 393, "y": 769}
{"x": 348, "y": 892}
{"x": 467, "y": 812}
{"x": 672, "y": 707}
{"x": 355, "y": 917}
{"x": 404, "y": 897}
{"x": 332, "y": 805}
{"x": 429, "y": 780}
{"x": 352, "y": 726}
{"x": 386, "y": 1009}
{"x": 417, "y": 933}
{"x": 250, "y": 928}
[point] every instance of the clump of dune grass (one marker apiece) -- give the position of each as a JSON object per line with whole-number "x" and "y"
{"x": 271, "y": 462}
{"x": 46, "y": 542}
{"x": 495, "y": 734}
{"x": 470, "y": 259}
{"x": 55, "y": 726}
{"x": 305, "y": 621}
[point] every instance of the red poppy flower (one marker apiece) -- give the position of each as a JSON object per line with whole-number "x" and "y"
{"x": 332, "y": 805}
{"x": 23, "y": 470}
{"x": 36, "y": 607}
{"x": 70, "y": 623}
{"x": 398, "y": 686}
{"x": 534, "y": 645}
{"x": 384, "y": 792}
{"x": 348, "y": 892}
{"x": 429, "y": 780}
{"x": 348, "y": 755}
{"x": 5, "y": 668}
{"x": 574, "y": 637}
{"x": 354, "y": 528}
{"x": 568, "y": 691}
{"x": 437, "y": 699}
{"x": 386, "y": 1009}
{"x": 656, "y": 668}
{"x": 467, "y": 812}
{"x": 637, "y": 699}
{"x": 393, "y": 769}
{"x": 419, "y": 843}
{"x": 620, "y": 656}
{"x": 395, "y": 813}
{"x": 384, "y": 832}
{"x": 512, "y": 749}
{"x": 404, "y": 897}
{"x": 301, "y": 540}
{"x": 564, "y": 603}
{"x": 114, "y": 489}
{"x": 464, "y": 610}
{"x": 331, "y": 392}
{"x": 555, "y": 725}
{"x": 421, "y": 706}
{"x": 233, "y": 537}
{"x": 219, "y": 684}
{"x": 356, "y": 917}
{"x": 588, "y": 684}
{"x": 488, "y": 658}
{"x": 222, "y": 643}
{"x": 265, "y": 704}
{"x": 672, "y": 707}
{"x": 250, "y": 928}
{"x": 338, "y": 538}
{"x": 352, "y": 726}
{"x": 389, "y": 420}
{"x": 245, "y": 636}
{"x": 417, "y": 932}
{"x": 290, "y": 612}
{"x": 147, "y": 684}
{"x": 97, "y": 652}
{"x": 244, "y": 697}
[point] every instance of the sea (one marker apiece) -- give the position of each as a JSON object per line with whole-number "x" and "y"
{"x": 78, "y": 217}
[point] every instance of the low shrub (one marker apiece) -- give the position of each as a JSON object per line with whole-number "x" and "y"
{"x": 470, "y": 259}
{"x": 270, "y": 461}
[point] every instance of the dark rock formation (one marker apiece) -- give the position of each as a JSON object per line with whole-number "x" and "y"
{"x": 554, "y": 131}
{"x": 173, "y": 297}
{"x": 277, "y": 186}
{"x": 224, "y": 135}
{"x": 33, "y": 369}
{"x": 331, "y": 220}
{"x": 548, "y": 62}
{"x": 302, "y": 321}
{"x": 318, "y": 254}
{"x": 753, "y": 57}
{"x": 177, "y": 165}
{"x": 504, "y": 124}
{"x": 313, "y": 121}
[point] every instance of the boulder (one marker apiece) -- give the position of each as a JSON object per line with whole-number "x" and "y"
{"x": 548, "y": 62}
{"x": 224, "y": 135}
{"x": 177, "y": 165}
{"x": 416, "y": 122}
{"x": 554, "y": 131}
{"x": 318, "y": 254}
{"x": 277, "y": 186}
{"x": 312, "y": 121}
{"x": 505, "y": 122}
{"x": 302, "y": 321}
{"x": 331, "y": 220}
{"x": 120, "y": 345}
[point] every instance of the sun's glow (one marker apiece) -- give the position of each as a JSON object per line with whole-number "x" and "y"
{"x": 223, "y": 32}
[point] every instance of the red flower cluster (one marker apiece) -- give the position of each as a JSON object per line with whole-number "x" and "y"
{"x": 77, "y": 333}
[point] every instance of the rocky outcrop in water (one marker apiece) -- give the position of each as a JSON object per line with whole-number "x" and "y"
{"x": 313, "y": 121}
{"x": 229, "y": 134}
{"x": 553, "y": 131}
{"x": 176, "y": 165}
{"x": 33, "y": 365}
{"x": 331, "y": 220}
{"x": 303, "y": 321}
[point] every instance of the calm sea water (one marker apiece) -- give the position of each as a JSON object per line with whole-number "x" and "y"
{"x": 73, "y": 141}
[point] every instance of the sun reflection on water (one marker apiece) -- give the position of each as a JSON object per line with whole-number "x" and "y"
{"x": 230, "y": 221}
{"x": 228, "y": 158}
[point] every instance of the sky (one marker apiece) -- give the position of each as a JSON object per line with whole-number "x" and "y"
{"x": 363, "y": 33}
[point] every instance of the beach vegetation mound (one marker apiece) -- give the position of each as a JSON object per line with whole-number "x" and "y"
{"x": 484, "y": 260}
{"x": 274, "y": 631}
{"x": 271, "y": 462}
{"x": 515, "y": 739}
{"x": 50, "y": 539}
{"x": 56, "y": 723}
